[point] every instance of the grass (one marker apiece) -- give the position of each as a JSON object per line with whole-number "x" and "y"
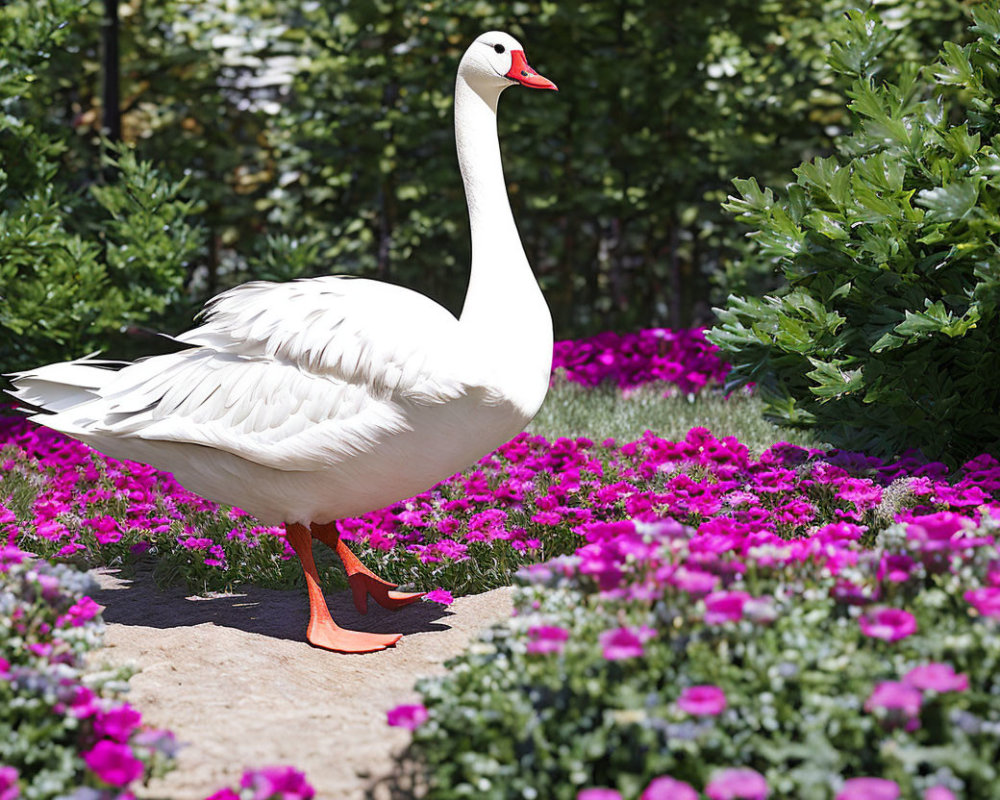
{"x": 605, "y": 412}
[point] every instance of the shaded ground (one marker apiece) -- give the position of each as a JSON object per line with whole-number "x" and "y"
{"x": 233, "y": 677}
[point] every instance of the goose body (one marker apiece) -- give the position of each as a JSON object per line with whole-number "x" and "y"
{"x": 323, "y": 398}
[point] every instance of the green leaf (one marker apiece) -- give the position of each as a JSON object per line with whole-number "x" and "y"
{"x": 951, "y": 202}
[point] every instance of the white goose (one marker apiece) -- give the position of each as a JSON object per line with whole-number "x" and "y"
{"x": 325, "y": 398}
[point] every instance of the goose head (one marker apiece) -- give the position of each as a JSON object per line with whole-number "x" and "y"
{"x": 495, "y": 61}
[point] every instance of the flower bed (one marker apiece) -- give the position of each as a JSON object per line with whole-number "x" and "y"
{"x": 681, "y": 359}
{"x": 62, "y": 729}
{"x": 660, "y": 661}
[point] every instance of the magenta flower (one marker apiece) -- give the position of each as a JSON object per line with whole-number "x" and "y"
{"x": 702, "y": 700}
{"x": 897, "y": 704}
{"x": 4, "y": 669}
{"x": 117, "y": 723}
{"x": 410, "y": 717}
{"x": 888, "y": 624}
{"x": 621, "y": 643}
{"x": 113, "y": 763}
{"x": 224, "y": 794}
{"x": 724, "y": 606}
{"x": 868, "y": 789}
{"x": 598, "y": 793}
{"x": 9, "y": 789}
{"x": 546, "y": 639}
{"x": 80, "y": 613}
{"x": 737, "y": 784}
{"x": 666, "y": 788}
{"x": 936, "y": 677}
{"x": 986, "y": 600}
{"x": 693, "y": 581}
{"x": 934, "y": 793}
{"x": 286, "y": 782}
{"x": 439, "y": 595}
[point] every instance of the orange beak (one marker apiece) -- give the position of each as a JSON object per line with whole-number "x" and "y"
{"x": 522, "y": 72}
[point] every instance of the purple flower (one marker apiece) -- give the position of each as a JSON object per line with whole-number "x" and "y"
{"x": 113, "y": 763}
{"x": 598, "y": 793}
{"x": 936, "y": 677}
{"x": 439, "y": 595}
{"x": 721, "y": 607}
{"x": 620, "y": 643}
{"x": 410, "y": 717}
{"x": 546, "y": 639}
{"x": 737, "y": 784}
{"x": 286, "y": 782}
{"x": 868, "y": 789}
{"x": 898, "y": 704}
{"x": 888, "y": 624}
{"x": 666, "y": 788}
{"x": 702, "y": 700}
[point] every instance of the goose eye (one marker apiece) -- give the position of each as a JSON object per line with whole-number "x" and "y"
{"x": 499, "y": 48}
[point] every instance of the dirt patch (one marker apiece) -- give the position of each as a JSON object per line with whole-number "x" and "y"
{"x": 233, "y": 677}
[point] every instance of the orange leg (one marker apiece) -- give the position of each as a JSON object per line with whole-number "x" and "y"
{"x": 323, "y": 631}
{"x": 363, "y": 581}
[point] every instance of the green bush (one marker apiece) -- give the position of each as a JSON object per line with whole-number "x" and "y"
{"x": 885, "y": 336}
{"x": 318, "y": 137}
{"x": 81, "y": 258}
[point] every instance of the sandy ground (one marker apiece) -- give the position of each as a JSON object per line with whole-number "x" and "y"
{"x": 235, "y": 680}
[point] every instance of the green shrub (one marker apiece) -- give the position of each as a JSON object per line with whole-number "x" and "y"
{"x": 885, "y": 335}
{"x": 330, "y": 125}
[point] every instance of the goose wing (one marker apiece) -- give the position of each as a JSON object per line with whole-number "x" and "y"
{"x": 291, "y": 376}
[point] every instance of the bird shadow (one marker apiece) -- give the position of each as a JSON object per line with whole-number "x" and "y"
{"x": 275, "y": 613}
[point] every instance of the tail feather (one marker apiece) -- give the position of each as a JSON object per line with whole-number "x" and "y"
{"x": 56, "y": 388}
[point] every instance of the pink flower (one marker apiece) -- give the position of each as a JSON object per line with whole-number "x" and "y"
{"x": 439, "y": 595}
{"x": 737, "y": 784}
{"x": 888, "y": 624}
{"x": 702, "y": 700}
{"x": 934, "y": 793}
{"x": 986, "y": 600}
{"x": 598, "y": 793}
{"x": 546, "y": 639}
{"x": 897, "y": 704}
{"x": 113, "y": 763}
{"x": 721, "y": 607}
{"x": 621, "y": 643}
{"x": 4, "y": 669}
{"x": 868, "y": 789}
{"x": 410, "y": 717}
{"x": 666, "y": 788}
{"x": 937, "y": 677}
{"x": 286, "y": 782}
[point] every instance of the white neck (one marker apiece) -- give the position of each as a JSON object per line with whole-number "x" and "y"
{"x": 502, "y": 288}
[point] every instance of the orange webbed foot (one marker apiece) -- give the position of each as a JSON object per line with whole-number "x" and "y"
{"x": 329, "y": 636}
{"x": 364, "y": 584}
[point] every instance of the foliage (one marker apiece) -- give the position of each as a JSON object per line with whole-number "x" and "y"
{"x": 813, "y": 667}
{"x": 76, "y": 266}
{"x": 889, "y": 322}
{"x": 317, "y": 138}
